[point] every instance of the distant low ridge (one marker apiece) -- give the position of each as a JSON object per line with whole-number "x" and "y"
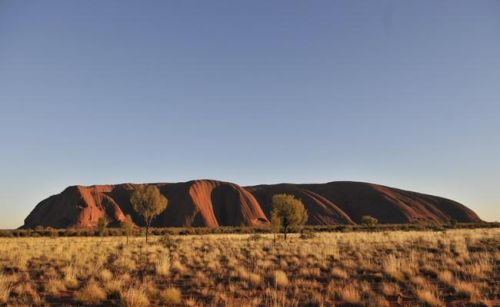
{"x": 212, "y": 203}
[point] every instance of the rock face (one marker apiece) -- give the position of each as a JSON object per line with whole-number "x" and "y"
{"x": 214, "y": 203}
{"x": 348, "y": 202}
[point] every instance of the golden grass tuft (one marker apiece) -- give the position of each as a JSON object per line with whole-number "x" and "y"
{"x": 54, "y": 286}
{"x": 467, "y": 289}
{"x": 418, "y": 281}
{"x": 28, "y": 294}
{"x": 350, "y": 295}
{"x": 379, "y": 301}
{"x": 114, "y": 286}
{"x": 92, "y": 293}
{"x": 171, "y": 296}
{"x": 105, "y": 275}
{"x": 125, "y": 264}
{"x": 134, "y": 297}
{"x": 178, "y": 267}
{"x": 280, "y": 279}
{"x": 5, "y": 289}
{"x": 389, "y": 289}
{"x": 392, "y": 267}
{"x": 163, "y": 267}
{"x": 446, "y": 277}
{"x": 242, "y": 274}
{"x": 339, "y": 273}
{"x": 429, "y": 297}
{"x": 71, "y": 282}
{"x": 255, "y": 279}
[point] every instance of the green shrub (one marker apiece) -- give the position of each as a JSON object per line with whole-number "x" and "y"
{"x": 369, "y": 220}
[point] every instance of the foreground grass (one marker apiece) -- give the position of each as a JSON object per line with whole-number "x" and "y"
{"x": 454, "y": 267}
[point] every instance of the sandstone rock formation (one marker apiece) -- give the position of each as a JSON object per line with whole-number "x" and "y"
{"x": 215, "y": 203}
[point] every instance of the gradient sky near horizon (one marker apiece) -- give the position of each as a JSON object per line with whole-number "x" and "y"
{"x": 401, "y": 93}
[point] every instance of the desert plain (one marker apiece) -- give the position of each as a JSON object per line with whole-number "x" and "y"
{"x": 457, "y": 267}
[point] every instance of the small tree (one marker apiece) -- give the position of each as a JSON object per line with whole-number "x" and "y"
{"x": 101, "y": 225}
{"x": 288, "y": 212}
{"x": 127, "y": 225}
{"x": 369, "y": 220}
{"x": 148, "y": 202}
{"x": 275, "y": 225}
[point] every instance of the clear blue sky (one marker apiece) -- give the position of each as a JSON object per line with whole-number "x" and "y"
{"x": 401, "y": 93}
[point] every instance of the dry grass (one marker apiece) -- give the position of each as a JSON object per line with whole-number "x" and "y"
{"x": 70, "y": 280}
{"x": 467, "y": 289}
{"x": 280, "y": 279}
{"x": 28, "y": 294}
{"x": 255, "y": 279}
{"x": 457, "y": 267}
{"x": 350, "y": 294}
{"x": 171, "y": 296}
{"x": 428, "y": 297}
{"x": 339, "y": 273}
{"x": 134, "y": 297}
{"x": 446, "y": 277}
{"x": 393, "y": 267}
{"x": 54, "y": 286}
{"x": 92, "y": 293}
{"x": 389, "y": 289}
{"x": 106, "y": 275}
{"x": 163, "y": 266}
{"x": 5, "y": 288}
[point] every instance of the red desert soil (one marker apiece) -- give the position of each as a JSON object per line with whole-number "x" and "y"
{"x": 215, "y": 203}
